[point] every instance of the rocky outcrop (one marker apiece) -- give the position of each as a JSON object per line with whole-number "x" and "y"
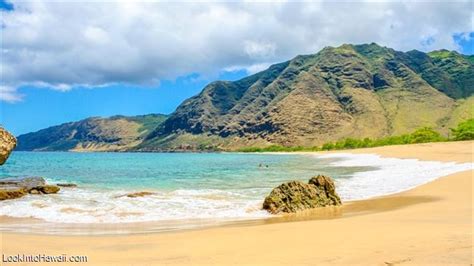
{"x": 45, "y": 189}
{"x": 12, "y": 192}
{"x": 297, "y": 196}
{"x": 326, "y": 185}
{"x": 7, "y": 144}
{"x": 26, "y": 182}
{"x": 19, "y": 187}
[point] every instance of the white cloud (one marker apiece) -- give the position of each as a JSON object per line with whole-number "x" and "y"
{"x": 259, "y": 50}
{"x": 62, "y": 45}
{"x": 249, "y": 69}
{"x": 9, "y": 95}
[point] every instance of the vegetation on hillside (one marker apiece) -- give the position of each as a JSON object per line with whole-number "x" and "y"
{"x": 337, "y": 93}
{"x": 344, "y": 93}
{"x": 464, "y": 131}
{"x": 116, "y": 133}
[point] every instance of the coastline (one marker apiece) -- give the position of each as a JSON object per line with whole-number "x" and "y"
{"x": 453, "y": 151}
{"x": 430, "y": 224}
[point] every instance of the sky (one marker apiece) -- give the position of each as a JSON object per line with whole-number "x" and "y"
{"x": 65, "y": 61}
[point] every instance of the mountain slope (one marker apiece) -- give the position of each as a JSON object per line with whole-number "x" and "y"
{"x": 348, "y": 91}
{"x": 116, "y": 133}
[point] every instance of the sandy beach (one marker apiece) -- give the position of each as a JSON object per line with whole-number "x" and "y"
{"x": 428, "y": 225}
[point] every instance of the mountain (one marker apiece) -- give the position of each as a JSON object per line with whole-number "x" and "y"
{"x": 117, "y": 133}
{"x": 347, "y": 91}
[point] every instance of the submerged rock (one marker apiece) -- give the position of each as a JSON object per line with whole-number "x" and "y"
{"x": 66, "y": 185}
{"x": 18, "y": 187}
{"x": 7, "y": 144}
{"x": 139, "y": 194}
{"x": 297, "y": 196}
{"x": 26, "y": 182}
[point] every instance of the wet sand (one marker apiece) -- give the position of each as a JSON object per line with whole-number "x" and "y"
{"x": 428, "y": 225}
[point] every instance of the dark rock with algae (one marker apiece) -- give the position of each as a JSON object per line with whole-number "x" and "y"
{"x": 296, "y": 196}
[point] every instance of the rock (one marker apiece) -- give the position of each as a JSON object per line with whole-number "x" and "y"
{"x": 12, "y": 192}
{"x": 139, "y": 194}
{"x": 66, "y": 185}
{"x": 26, "y": 182}
{"x": 291, "y": 197}
{"x": 326, "y": 184}
{"x": 296, "y": 196}
{"x": 18, "y": 187}
{"x": 34, "y": 191}
{"x": 48, "y": 189}
{"x": 7, "y": 144}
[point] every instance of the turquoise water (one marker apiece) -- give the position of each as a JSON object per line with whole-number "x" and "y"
{"x": 170, "y": 171}
{"x": 192, "y": 189}
{"x": 186, "y": 186}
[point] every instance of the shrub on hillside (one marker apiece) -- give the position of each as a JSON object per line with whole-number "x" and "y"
{"x": 464, "y": 131}
{"x": 425, "y": 134}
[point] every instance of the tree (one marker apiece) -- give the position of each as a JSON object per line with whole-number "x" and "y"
{"x": 425, "y": 134}
{"x": 464, "y": 130}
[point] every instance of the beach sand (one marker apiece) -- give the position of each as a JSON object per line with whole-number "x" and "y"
{"x": 428, "y": 225}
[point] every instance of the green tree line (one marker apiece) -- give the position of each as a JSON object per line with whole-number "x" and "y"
{"x": 464, "y": 131}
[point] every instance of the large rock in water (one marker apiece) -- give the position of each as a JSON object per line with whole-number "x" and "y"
{"x": 18, "y": 187}
{"x": 296, "y": 196}
{"x": 7, "y": 144}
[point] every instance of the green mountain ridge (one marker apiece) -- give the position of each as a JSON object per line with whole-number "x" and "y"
{"x": 354, "y": 91}
{"x": 348, "y": 91}
{"x": 116, "y": 133}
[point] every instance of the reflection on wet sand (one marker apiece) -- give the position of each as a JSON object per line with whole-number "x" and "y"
{"x": 349, "y": 209}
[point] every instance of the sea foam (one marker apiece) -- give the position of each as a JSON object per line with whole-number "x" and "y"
{"x": 392, "y": 175}
{"x": 90, "y": 205}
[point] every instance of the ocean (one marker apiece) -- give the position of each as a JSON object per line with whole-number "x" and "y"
{"x": 196, "y": 187}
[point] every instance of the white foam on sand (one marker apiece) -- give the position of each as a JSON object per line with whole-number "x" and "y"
{"x": 93, "y": 206}
{"x": 85, "y": 205}
{"x": 392, "y": 175}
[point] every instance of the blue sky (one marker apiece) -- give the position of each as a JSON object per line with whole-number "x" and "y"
{"x": 41, "y": 108}
{"x": 466, "y": 44}
{"x": 59, "y": 58}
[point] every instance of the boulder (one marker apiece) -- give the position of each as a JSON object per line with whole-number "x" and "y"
{"x": 12, "y": 188}
{"x": 326, "y": 184}
{"x": 296, "y": 196}
{"x": 7, "y": 144}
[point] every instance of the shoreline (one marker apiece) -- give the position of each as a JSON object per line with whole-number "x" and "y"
{"x": 348, "y": 209}
{"x": 243, "y": 152}
{"x": 388, "y": 152}
{"x": 431, "y": 223}
{"x": 39, "y": 224}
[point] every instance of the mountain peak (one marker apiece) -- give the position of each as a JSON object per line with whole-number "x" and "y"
{"x": 339, "y": 92}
